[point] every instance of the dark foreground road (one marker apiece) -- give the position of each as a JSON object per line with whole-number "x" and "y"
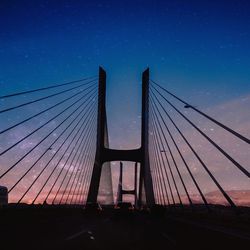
{"x": 75, "y": 229}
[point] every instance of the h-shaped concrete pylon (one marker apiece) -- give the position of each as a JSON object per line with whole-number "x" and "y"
{"x": 105, "y": 154}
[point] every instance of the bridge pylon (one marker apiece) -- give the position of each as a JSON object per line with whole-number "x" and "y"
{"x": 121, "y": 191}
{"x": 105, "y": 154}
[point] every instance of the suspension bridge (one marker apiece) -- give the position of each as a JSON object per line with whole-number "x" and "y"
{"x": 55, "y": 157}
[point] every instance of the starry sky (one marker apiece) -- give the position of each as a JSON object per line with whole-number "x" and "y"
{"x": 197, "y": 49}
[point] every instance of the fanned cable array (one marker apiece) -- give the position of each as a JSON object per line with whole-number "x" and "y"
{"x": 47, "y": 142}
{"x": 173, "y": 154}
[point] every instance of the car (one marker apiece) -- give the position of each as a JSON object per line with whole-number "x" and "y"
{"x": 125, "y": 206}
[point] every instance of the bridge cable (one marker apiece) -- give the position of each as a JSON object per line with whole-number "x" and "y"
{"x": 43, "y": 111}
{"x": 163, "y": 164}
{"x": 159, "y": 183}
{"x": 47, "y": 164}
{"x": 83, "y": 170}
{"x": 155, "y": 184}
{"x": 65, "y": 176}
{"x": 46, "y": 88}
{"x": 162, "y": 183}
{"x": 152, "y": 167}
{"x": 160, "y": 142}
{"x": 86, "y": 178}
{"x": 49, "y": 147}
{"x": 76, "y": 166}
{"x": 170, "y": 151}
{"x": 168, "y": 163}
{"x": 2, "y": 175}
{"x": 161, "y": 172}
{"x": 181, "y": 155}
{"x": 241, "y": 168}
{"x": 62, "y": 156}
{"x": 64, "y": 153}
{"x": 198, "y": 157}
{"x": 35, "y": 180}
{"x": 187, "y": 105}
{"x": 64, "y": 189}
{"x": 51, "y": 119}
{"x": 66, "y": 161}
{"x": 43, "y": 98}
{"x": 58, "y": 176}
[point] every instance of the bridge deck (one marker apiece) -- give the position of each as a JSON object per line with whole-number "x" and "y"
{"x": 61, "y": 228}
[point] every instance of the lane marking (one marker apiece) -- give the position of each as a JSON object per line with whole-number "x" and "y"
{"x": 80, "y": 233}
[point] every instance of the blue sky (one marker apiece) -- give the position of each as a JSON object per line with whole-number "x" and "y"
{"x": 193, "y": 42}
{"x": 197, "y": 49}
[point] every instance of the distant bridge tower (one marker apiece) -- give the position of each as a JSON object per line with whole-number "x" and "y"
{"x": 105, "y": 154}
{"x": 122, "y": 191}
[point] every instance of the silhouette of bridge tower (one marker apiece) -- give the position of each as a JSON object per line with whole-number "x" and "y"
{"x": 121, "y": 191}
{"x": 105, "y": 154}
